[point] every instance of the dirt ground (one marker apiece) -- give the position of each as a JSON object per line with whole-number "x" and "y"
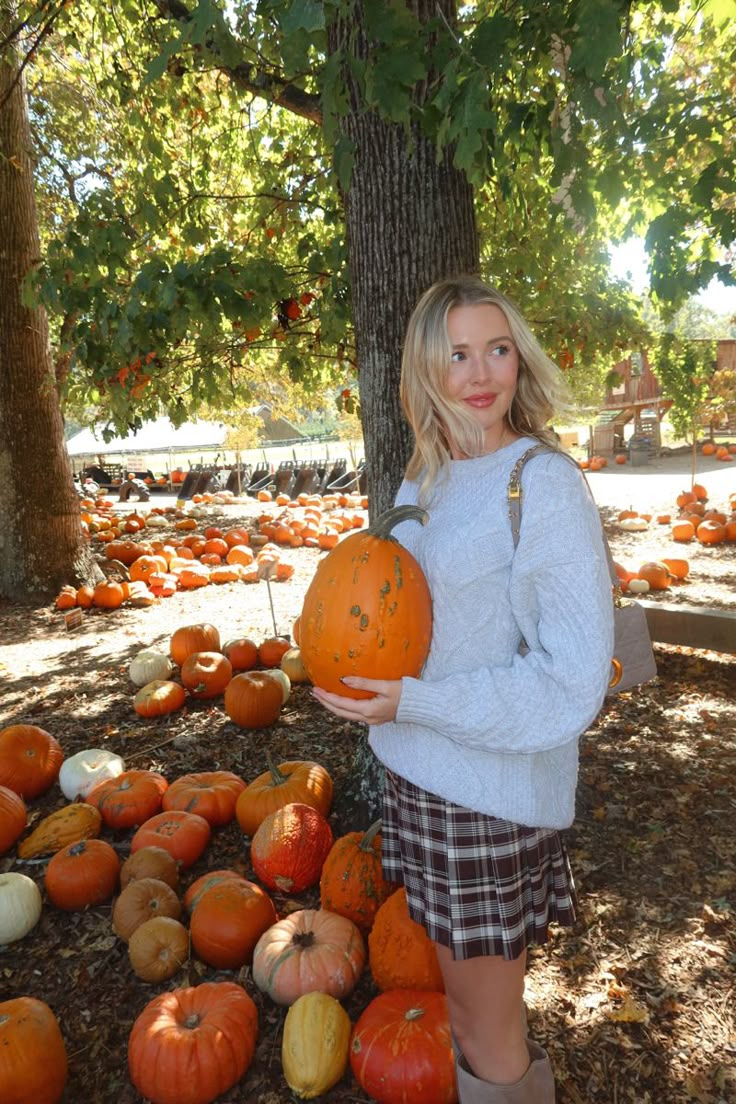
{"x": 635, "y": 1003}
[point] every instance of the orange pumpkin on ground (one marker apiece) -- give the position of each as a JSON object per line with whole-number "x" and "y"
{"x": 711, "y": 532}
{"x": 401, "y": 1049}
{"x": 253, "y": 699}
{"x": 184, "y": 835}
{"x": 82, "y": 875}
{"x": 289, "y": 848}
{"x": 190, "y": 1046}
{"x": 242, "y": 653}
{"x": 402, "y": 956}
{"x": 12, "y": 818}
{"x": 130, "y": 799}
{"x": 368, "y": 609}
{"x": 158, "y": 698}
{"x": 228, "y": 920}
{"x": 206, "y": 674}
{"x": 34, "y": 1061}
{"x": 141, "y": 900}
{"x": 30, "y": 759}
{"x": 206, "y": 881}
{"x": 677, "y": 568}
{"x": 352, "y": 883}
{"x": 309, "y": 951}
{"x": 108, "y": 595}
{"x": 193, "y": 638}
{"x": 299, "y": 780}
{"x": 656, "y": 574}
{"x": 210, "y": 794}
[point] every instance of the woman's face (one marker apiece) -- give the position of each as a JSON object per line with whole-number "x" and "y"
{"x": 484, "y": 366}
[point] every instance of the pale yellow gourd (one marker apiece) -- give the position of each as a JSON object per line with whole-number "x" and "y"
{"x": 314, "y": 1049}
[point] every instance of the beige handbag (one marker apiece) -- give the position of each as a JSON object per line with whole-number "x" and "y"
{"x": 633, "y": 659}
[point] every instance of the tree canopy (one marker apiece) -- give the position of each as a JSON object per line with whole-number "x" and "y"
{"x": 192, "y": 170}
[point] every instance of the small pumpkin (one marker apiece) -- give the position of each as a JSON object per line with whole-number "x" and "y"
{"x": 242, "y": 653}
{"x": 253, "y": 699}
{"x": 74, "y": 822}
{"x": 20, "y": 907}
{"x": 30, "y": 759}
{"x": 158, "y": 948}
{"x": 291, "y": 665}
{"x": 656, "y": 574}
{"x": 272, "y": 649}
{"x": 108, "y": 594}
{"x": 130, "y": 799}
{"x": 283, "y": 680}
{"x": 295, "y": 780}
{"x": 402, "y": 956}
{"x": 82, "y": 875}
{"x": 188, "y": 639}
{"x": 184, "y": 835}
{"x": 206, "y": 881}
{"x": 352, "y": 883}
{"x": 228, "y": 920}
{"x": 80, "y": 773}
{"x": 368, "y": 609}
{"x": 159, "y": 698}
{"x": 310, "y": 950}
{"x": 149, "y": 665}
{"x": 315, "y": 1044}
{"x": 210, "y": 794}
{"x": 34, "y": 1062}
{"x": 150, "y": 862}
{"x": 206, "y": 674}
{"x": 191, "y": 1045}
{"x": 139, "y": 901}
{"x": 401, "y": 1045}
{"x": 289, "y": 848}
{"x": 12, "y": 818}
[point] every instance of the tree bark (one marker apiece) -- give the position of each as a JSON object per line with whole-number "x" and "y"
{"x": 42, "y": 544}
{"x": 410, "y": 221}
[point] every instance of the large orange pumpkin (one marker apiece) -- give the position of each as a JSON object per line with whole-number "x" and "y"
{"x": 184, "y": 835}
{"x": 12, "y": 817}
{"x": 401, "y": 1049}
{"x": 402, "y": 956}
{"x": 193, "y": 638}
{"x": 227, "y": 921}
{"x": 297, "y": 780}
{"x": 30, "y": 759}
{"x": 82, "y": 874}
{"x": 352, "y": 883}
{"x": 368, "y": 609}
{"x": 130, "y": 799}
{"x": 289, "y": 849}
{"x": 253, "y": 699}
{"x": 206, "y": 674}
{"x": 34, "y": 1063}
{"x": 210, "y": 794}
{"x": 191, "y": 1045}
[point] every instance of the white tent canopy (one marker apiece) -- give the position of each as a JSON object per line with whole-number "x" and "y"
{"x": 158, "y": 436}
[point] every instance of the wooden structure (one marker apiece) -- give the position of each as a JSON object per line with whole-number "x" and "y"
{"x": 637, "y": 397}
{"x": 691, "y": 626}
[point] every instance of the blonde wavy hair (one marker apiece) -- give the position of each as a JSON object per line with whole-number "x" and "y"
{"x": 437, "y": 419}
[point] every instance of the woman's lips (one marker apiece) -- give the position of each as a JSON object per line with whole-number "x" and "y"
{"x": 480, "y": 401}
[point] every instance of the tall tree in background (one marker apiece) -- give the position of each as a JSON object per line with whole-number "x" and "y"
{"x": 44, "y": 546}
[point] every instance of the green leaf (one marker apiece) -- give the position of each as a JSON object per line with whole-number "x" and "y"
{"x": 344, "y": 157}
{"x": 301, "y": 15}
{"x": 598, "y": 37}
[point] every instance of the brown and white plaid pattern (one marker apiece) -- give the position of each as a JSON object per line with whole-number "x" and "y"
{"x": 476, "y": 884}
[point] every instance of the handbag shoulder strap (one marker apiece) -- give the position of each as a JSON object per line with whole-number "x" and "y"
{"x": 514, "y": 493}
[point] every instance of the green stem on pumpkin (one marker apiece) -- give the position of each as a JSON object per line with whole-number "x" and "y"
{"x": 277, "y": 777}
{"x": 366, "y": 844}
{"x": 386, "y": 521}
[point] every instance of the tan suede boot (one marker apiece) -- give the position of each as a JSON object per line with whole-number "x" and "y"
{"x": 537, "y": 1086}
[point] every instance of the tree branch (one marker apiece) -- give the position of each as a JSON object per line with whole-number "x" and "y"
{"x": 252, "y": 78}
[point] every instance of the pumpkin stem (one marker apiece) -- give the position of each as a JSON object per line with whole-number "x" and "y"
{"x": 303, "y": 939}
{"x": 366, "y": 844}
{"x": 385, "y": 522}
{"x": 277, "y": 777}
{"x": 192, "y": 1021}
{"x": 414, "y": 1014}
{"x": 78, "y": 848}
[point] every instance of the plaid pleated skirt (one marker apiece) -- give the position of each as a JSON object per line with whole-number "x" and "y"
{"x": 476, "y": 884}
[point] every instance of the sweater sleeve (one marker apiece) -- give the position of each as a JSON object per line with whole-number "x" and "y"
{"x": 560, "y": 595}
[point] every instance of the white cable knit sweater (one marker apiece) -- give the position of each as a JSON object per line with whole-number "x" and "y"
{"x": 484, "y": 726}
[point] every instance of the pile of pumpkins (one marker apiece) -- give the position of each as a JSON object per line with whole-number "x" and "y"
{"x": 252, "y": 698}
{"x": 725, "y": 453}
{"x": 694, "y": 520}
{"x": 305, "y": 959}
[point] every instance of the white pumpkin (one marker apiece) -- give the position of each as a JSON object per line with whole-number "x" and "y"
{"x": 283, "y": 679}
{"x": 20, "y": 906}
{"x": 80, "y": 772}
{"x": 638, "y": 586}
{"x": 156, "y": 521}
{"x": 634, "y": 525}
{"x": 149, "y": 665}
{"x": 291, "y": 664}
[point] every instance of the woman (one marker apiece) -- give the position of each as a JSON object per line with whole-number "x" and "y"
{"x": 481, "y": 752}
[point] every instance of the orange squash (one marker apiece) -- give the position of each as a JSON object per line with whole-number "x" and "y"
{"x": 401, "y": 954}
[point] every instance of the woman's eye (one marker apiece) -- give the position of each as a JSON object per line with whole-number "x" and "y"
{"x": 501, "y": 350}
{"x": 457, "y": 357}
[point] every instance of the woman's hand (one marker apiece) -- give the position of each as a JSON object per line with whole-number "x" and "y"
{"x": 375, "y": 710}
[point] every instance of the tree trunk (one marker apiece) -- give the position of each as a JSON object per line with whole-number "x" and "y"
{"x": 410, "y": 221}
{"x": 42, "y": 544}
